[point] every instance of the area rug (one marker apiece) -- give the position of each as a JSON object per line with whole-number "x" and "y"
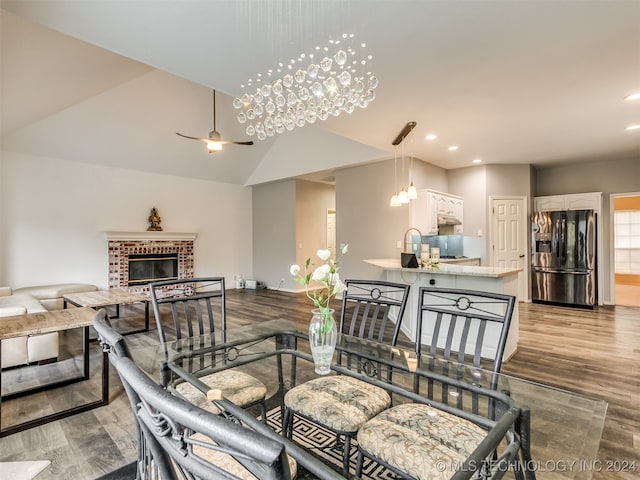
{"x": 22, "y": 470}
{"x": 127, "y": 472}
{"x": 322, "y": 443}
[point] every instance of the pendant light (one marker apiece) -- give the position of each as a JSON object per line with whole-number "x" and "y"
{"x": 412, "y": 193}
{"x": 403, "y": 196}
{"x": 395, "y": 201}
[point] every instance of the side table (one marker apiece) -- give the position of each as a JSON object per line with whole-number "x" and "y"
{"x": 106, "y": 298}
{"x": 46, "y": 322}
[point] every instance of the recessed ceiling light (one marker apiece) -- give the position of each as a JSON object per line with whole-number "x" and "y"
{"x": 431, "y": 136}
{"x": 477, "y": 160}
{"x": 633, "y": 127}
{"x": 633, "y": 96}
{"x": 453, "y": 148}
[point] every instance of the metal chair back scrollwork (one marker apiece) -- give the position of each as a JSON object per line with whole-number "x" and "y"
{"x": 178, "y": 440}
{"x": 192, "y": 313}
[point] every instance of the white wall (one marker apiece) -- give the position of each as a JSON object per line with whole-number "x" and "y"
{"x": 274, "y": 233}
{"x": 54, "y": 212}
{"x": 313, "y": 199}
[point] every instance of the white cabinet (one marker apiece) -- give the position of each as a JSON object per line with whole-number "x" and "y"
{"x": 458, "y": 212}
{"x": 432, "y": 213}
{"x": 429, "y": 204}
{"x": 419, "y": 212}
{"x": 577, "y": 201}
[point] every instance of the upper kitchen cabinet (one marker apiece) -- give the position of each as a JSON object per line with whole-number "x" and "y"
{"x": 428, "y": 210}
{"x": 423, "y": 213}
{"x": 578, "y": 201}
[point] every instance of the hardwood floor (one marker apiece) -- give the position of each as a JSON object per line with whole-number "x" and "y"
{"x": 595, "y": 353}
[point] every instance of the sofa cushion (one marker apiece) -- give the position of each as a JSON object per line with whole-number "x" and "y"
{"x": 11, "y": 310}
{"x": 45, "y": 292}
{"x": 50, "y": 296}
{"x": 29, "y": 302}
{"x": 14, "y": 352}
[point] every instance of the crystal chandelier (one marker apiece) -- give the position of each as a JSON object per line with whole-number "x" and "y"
{"x": 331, "y": 80}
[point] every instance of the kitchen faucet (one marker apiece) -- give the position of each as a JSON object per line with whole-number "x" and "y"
{"x": 408, "y": 242}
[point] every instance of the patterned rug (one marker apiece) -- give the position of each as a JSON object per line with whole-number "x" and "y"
{"x": 322, "y": 443}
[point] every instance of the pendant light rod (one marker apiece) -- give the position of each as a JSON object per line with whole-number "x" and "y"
{"x": 403, "y": 133}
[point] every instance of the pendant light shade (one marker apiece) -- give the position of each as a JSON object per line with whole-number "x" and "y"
{"x": 412, "y": 193}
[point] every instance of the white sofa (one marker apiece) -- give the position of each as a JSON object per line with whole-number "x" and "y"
{"x": 33, "y": 348}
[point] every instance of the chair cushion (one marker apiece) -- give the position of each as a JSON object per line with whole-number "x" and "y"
{"x": 229, "y": 464}
{"x": 414, "y": 437}
{"x": 339, "y": 402}
{"x": 236, "y": 386}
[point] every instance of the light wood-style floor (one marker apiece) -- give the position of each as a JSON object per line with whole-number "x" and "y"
{"x": 595, "y": 353}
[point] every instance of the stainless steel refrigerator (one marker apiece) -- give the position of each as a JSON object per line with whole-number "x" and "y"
{"x": 563, "y": 260}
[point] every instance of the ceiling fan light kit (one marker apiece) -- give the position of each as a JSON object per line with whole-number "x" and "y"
{"x": 214, "y": 142}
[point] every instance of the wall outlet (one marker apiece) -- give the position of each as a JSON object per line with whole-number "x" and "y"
{"x": 479, "y": 232}
{"x": 398, "y": 243}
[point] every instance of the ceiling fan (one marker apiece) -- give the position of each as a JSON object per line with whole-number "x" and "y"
{"x": 214, "y": 142}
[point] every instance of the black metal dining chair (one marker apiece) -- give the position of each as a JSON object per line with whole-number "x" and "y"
{"x": 452, "y": 329}
{"x": 179, "y": 440}
{"x": 371, "y": 310}
{"x": 185, "y": 310}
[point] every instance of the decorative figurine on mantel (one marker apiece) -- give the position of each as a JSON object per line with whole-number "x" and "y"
{"x": 154, "y": 221}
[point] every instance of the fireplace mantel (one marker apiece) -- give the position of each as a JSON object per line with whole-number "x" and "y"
{"x": 147, "y": 235}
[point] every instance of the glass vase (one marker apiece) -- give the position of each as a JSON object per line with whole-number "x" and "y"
{"x": 322, "y": 339}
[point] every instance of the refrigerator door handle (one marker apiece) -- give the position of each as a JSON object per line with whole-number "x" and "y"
{"x": 567, "y": 272}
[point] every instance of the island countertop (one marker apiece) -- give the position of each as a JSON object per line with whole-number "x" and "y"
{"x": 445, "y": 269}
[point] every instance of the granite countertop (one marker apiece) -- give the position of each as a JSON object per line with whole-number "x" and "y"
{"x": 445, "y": 269}
{"x": 458, "y": 259}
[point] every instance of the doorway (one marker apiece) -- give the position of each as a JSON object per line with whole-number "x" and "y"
{"x": 626, "y": 247}
{"x": 331, "y": 232}
{"x": 508, "y": 238}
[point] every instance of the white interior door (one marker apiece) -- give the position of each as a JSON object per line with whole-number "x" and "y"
{"x": 509, "y": 238}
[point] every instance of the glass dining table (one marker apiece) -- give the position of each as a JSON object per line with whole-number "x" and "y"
{"x": 558, "y": 432}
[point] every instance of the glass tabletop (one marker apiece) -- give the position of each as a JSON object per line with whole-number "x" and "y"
{"x": 565, "y": 427}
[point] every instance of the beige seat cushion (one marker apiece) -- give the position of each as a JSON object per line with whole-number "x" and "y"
{"x": 236, "y": 386}
{"x": 229, "y": 464}
{"x": 339, "y": 402}
{"x": 414, "y": 438}
{"x": 23, "y": 300}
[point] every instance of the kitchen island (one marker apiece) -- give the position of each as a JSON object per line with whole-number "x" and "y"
{"x": 486, "y": 279}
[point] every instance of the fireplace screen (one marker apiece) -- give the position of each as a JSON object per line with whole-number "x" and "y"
{"x": 152, "y": 267}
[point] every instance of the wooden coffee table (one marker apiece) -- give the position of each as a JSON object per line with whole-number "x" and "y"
{"x": 47, "y": 322}
{"x": 112, "y": 297}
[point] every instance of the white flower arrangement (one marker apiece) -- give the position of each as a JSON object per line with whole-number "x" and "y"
{"x": 326, "y": 274}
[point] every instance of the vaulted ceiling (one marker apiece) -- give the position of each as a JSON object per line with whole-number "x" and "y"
{"x": 507, "y": 81}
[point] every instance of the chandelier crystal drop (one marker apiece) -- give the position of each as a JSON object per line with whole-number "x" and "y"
{"x": 315, "y": 86}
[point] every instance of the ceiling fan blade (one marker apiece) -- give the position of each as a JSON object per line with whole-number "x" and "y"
{"x": 214, "y": 135}
{"x": 205, "y": 140}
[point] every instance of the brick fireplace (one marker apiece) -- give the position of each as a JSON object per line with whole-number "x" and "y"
{"x": 122, "y": 245}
